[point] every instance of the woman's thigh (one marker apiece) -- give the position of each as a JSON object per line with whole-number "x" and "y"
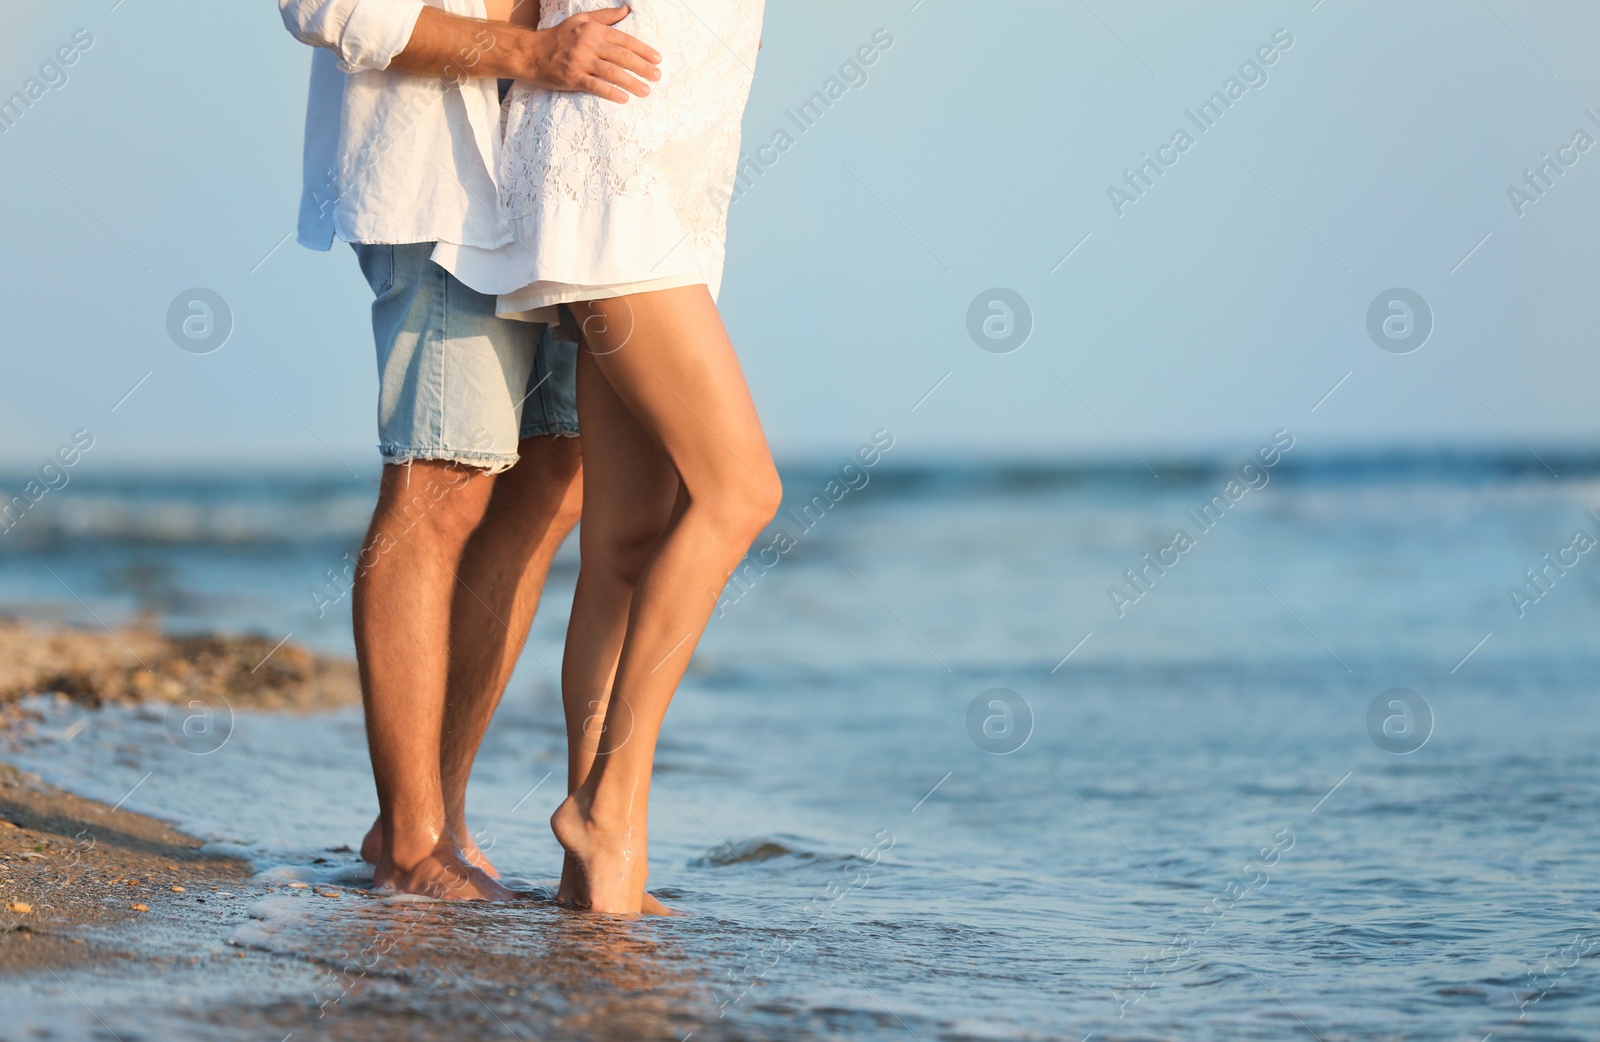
{"x": 668, "y": 360}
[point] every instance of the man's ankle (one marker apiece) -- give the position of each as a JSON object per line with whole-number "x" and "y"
{"x": 409, "y": 848}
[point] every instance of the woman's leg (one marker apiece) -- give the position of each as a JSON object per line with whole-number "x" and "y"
{"x": 668, "y": 359}
{"x": 629, "y": 488}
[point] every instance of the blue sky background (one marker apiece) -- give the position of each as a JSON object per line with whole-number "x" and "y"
{"x": 1221, "y": 306}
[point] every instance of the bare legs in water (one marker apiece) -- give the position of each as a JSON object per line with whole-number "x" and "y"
{"x": 456, "y": 562}
{"x": 677, "y": 482}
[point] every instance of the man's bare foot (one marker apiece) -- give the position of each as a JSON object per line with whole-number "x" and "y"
{"x": 570, "y": 892}
{"x": 372, "y": 850}
{"x": 609, "y": 866}
{"x": 442, "y": 874}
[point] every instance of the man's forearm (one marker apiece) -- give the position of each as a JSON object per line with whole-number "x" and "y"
{"x": 456, "y": 48}
{"x": 583, "y": 53}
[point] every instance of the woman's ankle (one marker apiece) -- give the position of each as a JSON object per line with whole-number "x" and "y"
{"x": 607, "y": 807}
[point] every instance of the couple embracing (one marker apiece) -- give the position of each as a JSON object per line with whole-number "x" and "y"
{"x": 538, "y": 199}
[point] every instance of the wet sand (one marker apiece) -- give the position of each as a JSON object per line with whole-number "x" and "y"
{"x": 125, "y": 925}
{"x": 96, "y": 901}
{"x": 113, "y": 923}
{"x": 71, "y": 868}
{"x": 69, "y": 863}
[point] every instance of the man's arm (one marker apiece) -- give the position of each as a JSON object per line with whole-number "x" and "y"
{"x": 583, "y": 53}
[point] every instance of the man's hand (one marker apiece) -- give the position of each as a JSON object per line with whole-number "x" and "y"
{"x": 582, "y": 53}
{"x": 585, "y": 53}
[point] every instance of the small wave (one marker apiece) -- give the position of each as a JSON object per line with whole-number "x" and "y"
{"x": 752, "y": 851}
{"x": 962, "y": 478}
{"x": 202, "y": 521}
{"x": 268, "y": 919}
{"x": 176, "y": 508}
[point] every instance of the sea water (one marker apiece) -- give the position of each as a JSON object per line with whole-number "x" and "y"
{"x": 958, "y": 763}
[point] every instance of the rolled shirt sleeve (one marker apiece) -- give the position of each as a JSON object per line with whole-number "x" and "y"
{"x": 365, "y": 34}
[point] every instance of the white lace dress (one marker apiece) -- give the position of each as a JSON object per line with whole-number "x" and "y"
{"x": 604, "y": 199}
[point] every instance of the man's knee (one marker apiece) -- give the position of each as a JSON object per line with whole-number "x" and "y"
{"x": 435, "y": 498}
{"x": 554, "y": 458}
{"x": 546, "y": 481}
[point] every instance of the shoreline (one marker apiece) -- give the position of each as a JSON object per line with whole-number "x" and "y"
{"x": 79, "y": 879}
{"x": 116, "y": 923}
{"x": 138, "y": 930}
{"x": 123, "y": 925}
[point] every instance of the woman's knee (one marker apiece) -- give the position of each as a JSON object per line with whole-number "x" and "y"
{"x": 749, "y": 501}
{"x": 767, "y": 496}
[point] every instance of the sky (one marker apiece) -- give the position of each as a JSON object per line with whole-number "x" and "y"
{"x": 976, "y": 163}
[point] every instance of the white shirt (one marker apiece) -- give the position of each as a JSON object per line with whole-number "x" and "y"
{"x": 392, "y": 157}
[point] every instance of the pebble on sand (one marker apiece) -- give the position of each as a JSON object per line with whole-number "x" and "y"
{"x": 139, "y": 907}
{"x": 299, "y": 885}
{"x": 330, "y": 893}
{"x": 177, "y": 889}
{"x": 20, "y": 907}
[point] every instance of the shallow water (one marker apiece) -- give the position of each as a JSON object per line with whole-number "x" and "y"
{"x": 1199, "y": 838}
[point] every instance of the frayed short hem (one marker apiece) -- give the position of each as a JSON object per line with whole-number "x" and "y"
{"x": 490, "y": 463}
{"x": 551, "y": 430}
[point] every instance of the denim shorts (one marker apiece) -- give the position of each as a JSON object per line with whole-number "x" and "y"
{"x": 455, "y": 382}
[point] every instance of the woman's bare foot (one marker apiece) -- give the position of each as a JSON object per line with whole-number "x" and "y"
{"x": 570, "y": 892}
{"x": 651, "y": 906}
{"x": 372, "y": 850}
{"x": 609, "y": 865}
{"x": 442, "y": 873}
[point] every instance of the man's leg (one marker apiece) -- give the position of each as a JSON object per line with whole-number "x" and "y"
{"x": 496, "y": 591}
{"x": 451, "y": 375}
{"x": 535, "y": 505}
{"x": 533, "y": 508}
{"x": 402, "y": 605}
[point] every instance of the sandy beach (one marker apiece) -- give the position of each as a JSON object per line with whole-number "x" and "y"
{"x": 71, "y": 863}
{"x": 117, "y": 921}
{"x": 96, "y": 898}
{"x": 114, "y": 921}
{"x": 79, "y": 877}
{"x": 140, "y": 664}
